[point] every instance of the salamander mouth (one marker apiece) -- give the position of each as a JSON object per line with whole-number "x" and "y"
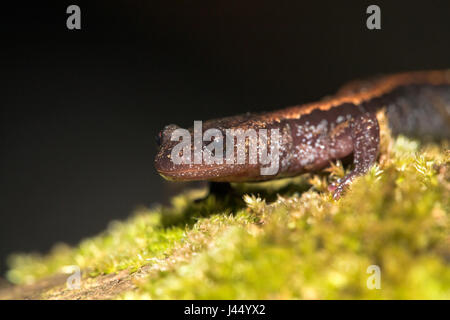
{"x": 188, "y": 174}
{"x": 217, "y": 172}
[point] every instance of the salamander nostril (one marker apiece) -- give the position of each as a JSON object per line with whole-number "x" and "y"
{"x": 158, "y": 138}
{"x": 164, "y": 135}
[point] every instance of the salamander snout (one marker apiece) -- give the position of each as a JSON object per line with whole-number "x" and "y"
{"x": 164, "y": 135}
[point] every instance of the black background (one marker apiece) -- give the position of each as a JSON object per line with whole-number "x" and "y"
{"x": 80, "y": 109}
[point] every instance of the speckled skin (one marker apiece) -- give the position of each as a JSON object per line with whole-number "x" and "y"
{"x": 313, "y": 135}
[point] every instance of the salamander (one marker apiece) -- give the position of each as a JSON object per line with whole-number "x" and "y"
{"x": 312, "y": 135}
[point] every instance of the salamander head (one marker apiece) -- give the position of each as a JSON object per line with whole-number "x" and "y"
{"x": 176, "y": 160}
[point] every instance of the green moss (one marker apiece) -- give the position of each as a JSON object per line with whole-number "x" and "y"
{"x": 286, "y": 239}
{"x": 124, "y": 245}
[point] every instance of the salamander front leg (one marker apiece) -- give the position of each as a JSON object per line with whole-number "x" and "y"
{"x": 365, "y": 134}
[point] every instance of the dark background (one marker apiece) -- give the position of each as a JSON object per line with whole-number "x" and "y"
{"x": 80, "y": 109}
